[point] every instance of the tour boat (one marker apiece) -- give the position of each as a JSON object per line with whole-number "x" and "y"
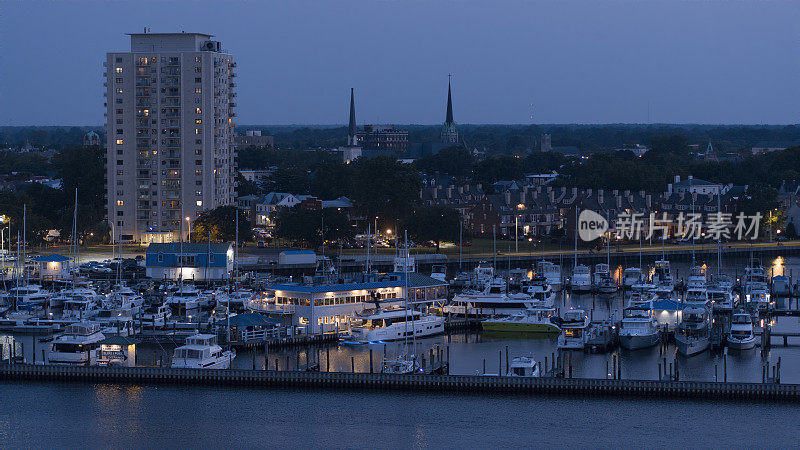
{"x": 741, "y": 336}
{"x": 201, "y": 351}
{"x": 492, "y": 301}
{"x": 631, "y": 276}
{"x": 575, "y": 326}
{"x": 394, "y": 323}
{"x": 551, "y": 272}
{"x": 638, "y": 328}
{"x": 155, "y": 316}
{"x": 77, "y": 345}
{"x": 581, "y": 280}
{"x": 523, "y": 366}
{"x": 693, "y": 334}
{"x": 534, "y": 320}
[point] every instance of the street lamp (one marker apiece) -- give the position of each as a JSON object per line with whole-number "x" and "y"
{"x": 189, "y": 222}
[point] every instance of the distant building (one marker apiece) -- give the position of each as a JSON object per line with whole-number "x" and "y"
{"x": 383, "y": 138}
{"x": 189, "y": 261}
{"x": 767, "y": 147}
{"x": 351, "y": 151}
{"x": 637, "y": 149}
{"x": 546, "y": 144}
{"x": 253, "y": 138}
{"x": 694, "y": 186}
{"x": 256, "y": 176}
{"x": 91, "y": 139}
{"x": 449, "y": 130}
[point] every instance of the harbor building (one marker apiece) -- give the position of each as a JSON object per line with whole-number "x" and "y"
{"x": 325, "y": 308}
{"x": 189, "y": 261}
{"x": 169, "y": 124}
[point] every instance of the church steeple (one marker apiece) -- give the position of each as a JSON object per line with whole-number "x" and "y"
{"x": 351, "y": 130}
{"x": 449, "y": 130}
{"x": 449, "y": 116}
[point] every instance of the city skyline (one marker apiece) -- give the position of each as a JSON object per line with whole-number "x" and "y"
{"x": 575, "y": 62}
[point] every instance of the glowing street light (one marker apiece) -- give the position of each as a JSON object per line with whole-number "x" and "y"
{"x": 189, "y": 222}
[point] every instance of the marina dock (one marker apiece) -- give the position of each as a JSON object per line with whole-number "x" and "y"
{"x": 466, "y": 384}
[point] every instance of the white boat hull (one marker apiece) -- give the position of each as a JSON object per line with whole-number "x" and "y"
{"x": 427, "y": 326}
{"x": 691, "y": 347}
{"x": 742, "y": 344}
{"x": 635, "y": 342}
{"x": 223, "y": 362}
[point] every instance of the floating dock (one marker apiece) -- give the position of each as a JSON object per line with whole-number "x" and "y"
{"x": 469, "y": 384}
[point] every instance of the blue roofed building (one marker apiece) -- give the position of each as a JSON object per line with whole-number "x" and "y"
{"x": 53, "y": 267}
{"x": 189, "y": 261}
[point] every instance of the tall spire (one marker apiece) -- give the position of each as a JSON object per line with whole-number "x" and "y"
{"x": 351, "y": 131}
{"x": 449, "y": 130}
{"x": 449, "y": 117}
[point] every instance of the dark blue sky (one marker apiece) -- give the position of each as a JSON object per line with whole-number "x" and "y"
{"x": 576, "y": 61}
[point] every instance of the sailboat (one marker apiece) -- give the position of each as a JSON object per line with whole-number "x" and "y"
{"x": 406, "y": 362}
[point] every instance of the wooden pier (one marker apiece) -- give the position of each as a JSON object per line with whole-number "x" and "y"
{"x": 468, "y": 384}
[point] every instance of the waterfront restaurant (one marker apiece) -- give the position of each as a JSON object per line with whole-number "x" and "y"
{"x": 326, "y": 308}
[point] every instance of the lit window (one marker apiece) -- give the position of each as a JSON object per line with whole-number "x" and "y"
{"x": 198, "y": 110}
{"x": 198, "y": 131}
{"x": 198, "y": 172}
{"x": 119, "y": 202}
{"x": 198, "y": 91}
{"x": 199, "y": 203}
{"x": 198, "y": 120}
{"x": 119, "y": 141}
{"x": 119, "y": 91}
{"x": 197, "y": 59}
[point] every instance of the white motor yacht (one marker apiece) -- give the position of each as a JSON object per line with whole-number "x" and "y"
{"x": 601, "y": 271}
{"x": 483, "y": 275}
{"x": 114, "y": 321}
{"x": 492, "y": 301}
{"x": 581, "y": 280}
{"x": 28, "y": 296}
{"x": 541, "y": 292}
{"x": 697, "y": 277}
{"x": 662, "y": 275}
{"x": 693, "y": 334}
{"x": 697, "y": 296}
{"x": 551, "y": 272}
{"x": 756, "y": 291}
{"x": 201, "y": 351}
{"x": 741, "y": 336}
{"x": 439, "y": 272}
{"x": 80, "y": 308}
{"x": 186, "y": 298}
{"x": 576, "y": 327}
{"x": 155, "y": 316}
{"x": 523, "y": 366}
{"x": 77, "y": 345}
{"x": 721, "y": 295}
{"x": 631, "y": 276}
{"x": 391, "y": 324}
{"x": 638, "y": 328}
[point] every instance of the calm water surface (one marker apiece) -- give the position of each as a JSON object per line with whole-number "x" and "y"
{"x": 84, "y": 415}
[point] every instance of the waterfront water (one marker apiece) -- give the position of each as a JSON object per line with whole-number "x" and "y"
{"x": 105, "y": 415}
{"x": 102, "y": 415}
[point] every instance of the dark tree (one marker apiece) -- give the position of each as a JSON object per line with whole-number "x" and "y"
{"x": 219, "y": 224}
{"x": 434, "y": 223}
{"x": 305, "y": 225}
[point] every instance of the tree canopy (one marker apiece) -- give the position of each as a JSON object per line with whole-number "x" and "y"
{"x": 434, "y": 223}
{"x": 219, "y": 225}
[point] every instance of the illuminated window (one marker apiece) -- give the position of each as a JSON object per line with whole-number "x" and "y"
{"x": 120, "y": 203}
{"x": 119, "y": 173}
{"x": 198, "y": 91}
{"x": 198, "y": 172}
{"x": 119, "y": 91}
{"x": 119, "y": 141}
{"x": 198, "y": 110}
{"x": 197, "y": 59}
{"x": 199, "y": 203}
{"x": 198, "y": 131}
{"x": 198, "y": 120}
